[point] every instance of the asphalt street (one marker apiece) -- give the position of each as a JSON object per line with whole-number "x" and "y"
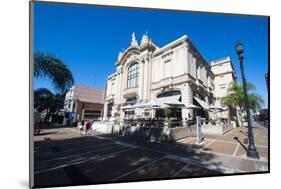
{"x": 62, "y": 157}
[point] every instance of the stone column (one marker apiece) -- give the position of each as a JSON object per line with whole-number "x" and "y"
{"x": 145, "y": 80}
{"x": 71, "y": 105}
{"x": 187, "y": 99}
{"x": 149, "y": 76}
{"x": 117, "y": 86}
{"x": 186, "y": 59}
{"x": 119, "y": 89}
{"x": 124, "y": 83}
{"x": 122, "y": 87}
{"x": 141, "y": 77}
{"x": 105, "y": 111}
{"x": 75, "y": 110}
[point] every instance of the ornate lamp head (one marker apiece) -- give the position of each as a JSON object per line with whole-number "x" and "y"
{"x": 239, "y": 50}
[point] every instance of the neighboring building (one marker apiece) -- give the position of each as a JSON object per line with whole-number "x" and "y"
{"x": 176, "y": 74}
{"x": 84, "y": 103}
{"x": 224, "y": 76}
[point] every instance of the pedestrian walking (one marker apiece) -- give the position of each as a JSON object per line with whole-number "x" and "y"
{"x": 81, "y": 127}
{"x": 88, "y": 126}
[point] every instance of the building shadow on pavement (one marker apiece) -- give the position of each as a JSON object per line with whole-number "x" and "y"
{"x": 107, "y": 158}
{"x": 47, "y": 126}
{"x": 42, "y": 133}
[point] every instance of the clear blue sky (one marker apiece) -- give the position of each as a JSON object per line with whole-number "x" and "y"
{"x": 89, "y": 38}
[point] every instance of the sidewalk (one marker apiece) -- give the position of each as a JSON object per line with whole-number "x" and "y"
{"x": 231, "y": 148}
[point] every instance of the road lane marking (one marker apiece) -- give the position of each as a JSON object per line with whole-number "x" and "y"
{"x": 126, "y": 144}
{"x": 77, "y": 155}
{"x": 62, "y": 143}
{"x": 209, "y": 144}
{"x": 262, "y": 159}
{"x": 40, "y": 155}
{"x": 135, "y": 170}
{"x": 196, "y": 162}
{"x": 192, "y": 161}
{"x": 182, "y": 141}
{"x": 218, "y": 168}
{"x": 225, "y": 141}
{"x": 100, "y": 137}
{"x": 236, "y": 150}
{"x": 110, "y": 147}
{"x": 106, "y": 156}
{"x": 179, "y": 171}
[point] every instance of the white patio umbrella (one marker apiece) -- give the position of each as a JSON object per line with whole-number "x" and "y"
{"x": 152, "y": 105}
{"x": 156, "y": 104}
{"x": 127, "y": 107}
{"x": 175, "y": 104}
{"x": 139, "y": 105}
{"x": 217, "y": 108}
{"x": 191, "y": 106}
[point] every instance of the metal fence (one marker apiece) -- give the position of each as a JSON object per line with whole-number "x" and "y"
{"x": 158, "y": 123}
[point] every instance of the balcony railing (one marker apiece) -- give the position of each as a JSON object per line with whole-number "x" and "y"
{"x": 130, "y": 92}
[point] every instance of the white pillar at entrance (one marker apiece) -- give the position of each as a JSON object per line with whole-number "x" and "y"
{"x": 145, "y": 80}
{"x": 105, "y": 111}
{"x": 187, "y": 99}
{"x": 124, "y": 84}
{"x": 141, "y": 76}
{"x": 120, "y": 86}
{"x": 149, "y": 76}
{"x": 117, "y": 87}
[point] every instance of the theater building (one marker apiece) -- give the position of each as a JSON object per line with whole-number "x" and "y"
{"x": 149, "y": 79}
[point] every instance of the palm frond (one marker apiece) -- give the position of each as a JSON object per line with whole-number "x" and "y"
{"x": 236, "y": 95}
{"x": 46, "y": 65}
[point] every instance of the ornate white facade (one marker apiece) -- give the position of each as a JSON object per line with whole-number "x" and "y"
{"x": 146, "y": 73}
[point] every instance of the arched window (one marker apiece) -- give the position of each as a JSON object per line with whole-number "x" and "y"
{"x": 132, "y": 100}
{"x": 133, "y": 76}
{"x": 109, "y": 109}
{"x": 169, "y": 93}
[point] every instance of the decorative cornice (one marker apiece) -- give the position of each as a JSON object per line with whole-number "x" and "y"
{"x": 128, "y": 52}
{"x": 170, "y": 45}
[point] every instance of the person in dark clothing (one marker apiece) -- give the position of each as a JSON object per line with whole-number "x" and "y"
{"x": 88, "y": 126}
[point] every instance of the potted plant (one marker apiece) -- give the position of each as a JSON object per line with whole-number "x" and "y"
{"x": 168, "y": 113}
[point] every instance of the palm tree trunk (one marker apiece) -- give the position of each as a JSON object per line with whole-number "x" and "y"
{"x": 228, "y": 117}
{"x": 239, "y": 116}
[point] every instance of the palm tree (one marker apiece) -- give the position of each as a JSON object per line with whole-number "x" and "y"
{"x": 45, "y": 100}
{"x": 255, "y": 102}
{"x": 47, "y": 65}
{"x": 235, "y": 97}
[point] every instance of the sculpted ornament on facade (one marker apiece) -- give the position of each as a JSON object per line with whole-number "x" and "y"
{"x": 133, "y": 54}
{"x": 134, "y": 41}
{"x": 144, "y": 39}
{"x": 120, "y": 56}
{"x": 132, "y": 58}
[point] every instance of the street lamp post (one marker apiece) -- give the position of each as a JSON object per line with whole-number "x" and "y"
{"x": 252, "y": 151}
{"x": 266, "y": 79}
